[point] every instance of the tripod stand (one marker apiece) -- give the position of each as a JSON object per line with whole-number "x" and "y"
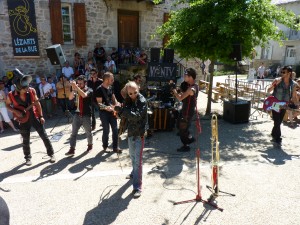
{"x": 198, "y": 197}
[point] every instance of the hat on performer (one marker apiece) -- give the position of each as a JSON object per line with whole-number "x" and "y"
{"x": 21, "y": 80}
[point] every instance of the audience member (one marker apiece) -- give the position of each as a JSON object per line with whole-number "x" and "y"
{"x": 3, "y": 110}
{"x": 63, "y": 91}
{"x": 68, "y": 71}
{"x": 100, "y": 56}
{"x": 53, "y": 95}
{"x": 110, "y": 65}
{"x": 79, "y": 65}
{"x": 46, "y": 91}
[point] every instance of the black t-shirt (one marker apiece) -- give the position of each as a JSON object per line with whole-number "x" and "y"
{"x": 105, "y": 94}
{"x": 189, "y": 103}
{"x": 87, "y": 102}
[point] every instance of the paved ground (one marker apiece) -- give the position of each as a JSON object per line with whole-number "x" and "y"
{"x": 92, "y": 189}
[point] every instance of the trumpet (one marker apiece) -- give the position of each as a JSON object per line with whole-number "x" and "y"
{"x": 215, "y": 156}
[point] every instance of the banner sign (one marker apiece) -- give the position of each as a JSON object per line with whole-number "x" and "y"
{"x": 23, "y": 27}
{"x": 161, "y": 71}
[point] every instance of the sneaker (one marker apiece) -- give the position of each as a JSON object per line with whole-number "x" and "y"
{"x": 52, "y": 159}
{"x": 137, "y": 193}
{"x": 28, "y": 162}
{"x": 184, "y": 148}
{"x": 116, "y": 150}
{"x": 90, "y": 147}
{"x": 129, "y": 176}
{"x": 71, "y": 152}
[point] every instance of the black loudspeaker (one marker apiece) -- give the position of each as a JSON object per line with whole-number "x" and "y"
{"x": 56, "y": 55}
{"x": 236, "y": 112}
{"x": 236, "y": 53}
{"x": 168, "y": 55}
{"x": 155, "y": 54}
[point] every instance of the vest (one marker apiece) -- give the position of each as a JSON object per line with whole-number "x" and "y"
{"x": 12, "y": 96}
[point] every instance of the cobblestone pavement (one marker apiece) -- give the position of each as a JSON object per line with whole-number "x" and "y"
{"x": 92, "y": 189}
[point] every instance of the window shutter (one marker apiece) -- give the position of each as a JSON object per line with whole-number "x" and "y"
{"x": 166, "y": 38}
{"x": 56, "y": 22}
{"x": 80, "y": 24}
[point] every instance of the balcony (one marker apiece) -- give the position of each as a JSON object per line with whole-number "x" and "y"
{"x": 292, "y": 35}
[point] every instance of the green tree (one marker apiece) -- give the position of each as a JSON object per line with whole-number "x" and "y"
{"x": 206, "y": 29}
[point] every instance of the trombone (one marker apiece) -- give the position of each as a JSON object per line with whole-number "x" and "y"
{"x": 215, "y": 156}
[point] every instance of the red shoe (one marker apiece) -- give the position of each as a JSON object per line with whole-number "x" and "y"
{"x": 90, "y": 147}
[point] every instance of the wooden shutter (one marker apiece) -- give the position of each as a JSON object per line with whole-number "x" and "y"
{"x": 56, "y": 22}
{"x": 80, "y": 24}
{"x": 166, "y": 38}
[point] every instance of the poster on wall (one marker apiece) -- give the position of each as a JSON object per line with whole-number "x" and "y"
{"x": 23, "y": 27}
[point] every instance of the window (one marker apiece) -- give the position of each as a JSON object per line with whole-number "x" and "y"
{"x": 62, "y": 24}
{"x": 291, "y": 52}
{"x": 66, "y": 23}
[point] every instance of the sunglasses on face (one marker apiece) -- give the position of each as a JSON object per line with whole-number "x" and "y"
{"x": 283, "y": 72}
{"x": 134, "y": 93}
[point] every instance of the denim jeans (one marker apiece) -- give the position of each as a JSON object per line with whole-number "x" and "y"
{"x": 25, "y": 133}
{"x": 108, "y": 119}
{"x": 136, "y": 145}
{"x": 79, "y": 121}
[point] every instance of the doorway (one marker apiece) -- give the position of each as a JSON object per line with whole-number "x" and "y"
{"x": 128, "y": 28}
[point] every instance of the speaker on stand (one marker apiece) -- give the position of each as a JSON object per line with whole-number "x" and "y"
{"x": 237, "y": 111}
{"x": 155, "y": 55}
{"x": 168, "y": 55}
{"x": 56, "y": 57}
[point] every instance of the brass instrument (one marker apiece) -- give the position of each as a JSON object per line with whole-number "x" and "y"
{"x": 76, "y": 95}
{"x": 215, "y": 158}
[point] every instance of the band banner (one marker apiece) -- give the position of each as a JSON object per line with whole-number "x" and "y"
{"x": 23, "y": 27}
{"x": 161, "y": 71}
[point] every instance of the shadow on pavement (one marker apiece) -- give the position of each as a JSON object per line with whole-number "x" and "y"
{"x": 57, "y": 167}
{"x": 276, "y": 156}
{"x": 109, "y": 207}
{"x": 16, "y": 170}
{"x": 89, "y": 164}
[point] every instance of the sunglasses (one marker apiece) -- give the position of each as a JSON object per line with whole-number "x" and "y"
{"x": 134, "y": 93}
{"x": 283, "y": 72}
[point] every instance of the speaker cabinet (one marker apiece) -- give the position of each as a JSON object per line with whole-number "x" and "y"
{"x": 236, "y": 112}
{"x": 155, "y": 54}
{"x": 56, "y": 55}
{"x": 236, "y": 53}
{"x": 168, "y": 55}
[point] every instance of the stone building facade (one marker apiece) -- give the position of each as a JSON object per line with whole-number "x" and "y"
{"x": 101, "y": 26}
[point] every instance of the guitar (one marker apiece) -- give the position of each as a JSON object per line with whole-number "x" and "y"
{"x": 25, "y": 112}
{"x": 272, "y": 103}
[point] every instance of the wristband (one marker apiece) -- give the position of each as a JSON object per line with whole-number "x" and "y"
{"x": 41, "y": 117}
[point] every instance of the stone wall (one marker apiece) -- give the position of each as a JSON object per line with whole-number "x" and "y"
{"x": 101, "y": 27}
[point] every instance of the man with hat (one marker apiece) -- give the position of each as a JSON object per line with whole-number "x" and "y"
{"x": 25, "y": 97}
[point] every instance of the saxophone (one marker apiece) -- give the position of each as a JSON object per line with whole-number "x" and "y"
{"x": 215, "y": 156}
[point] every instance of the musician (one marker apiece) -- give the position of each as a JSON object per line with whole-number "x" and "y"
{"x": 107, "y": 100}
{"x": 284, "y": 89}
{"x": 94, "y": 82}
{"x": 83, "y": 113}
{"x": 188, "y": 96}
{"x": 20, "y": 98}
{"x": 135, "y": 111}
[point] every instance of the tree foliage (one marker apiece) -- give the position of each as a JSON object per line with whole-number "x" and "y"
{"x": 206, "y": 29}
